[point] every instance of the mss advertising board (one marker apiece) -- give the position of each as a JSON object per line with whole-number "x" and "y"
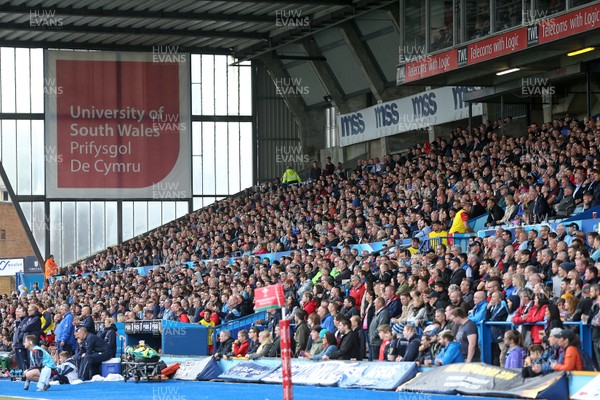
{"x": 117, "y": 125}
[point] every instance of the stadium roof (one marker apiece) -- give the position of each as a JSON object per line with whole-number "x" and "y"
{"x": 244, "y": 28}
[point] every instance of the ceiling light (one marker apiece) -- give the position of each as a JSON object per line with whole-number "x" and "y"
{"x": 508, "y": 71}
{"x": 581, "y": 51}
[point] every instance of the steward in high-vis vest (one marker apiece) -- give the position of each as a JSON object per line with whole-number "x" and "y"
{"x": 50, "y": 268}
{"x": 290, "y": 176}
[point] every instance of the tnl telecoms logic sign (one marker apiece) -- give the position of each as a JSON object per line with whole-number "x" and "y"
{"x": 117, "y": 125}
{"x": 539, "y": 31}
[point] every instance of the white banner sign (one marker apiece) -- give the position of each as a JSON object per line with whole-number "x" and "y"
{"x": 10, "y": 266}
{"x": 591, "y": 391}
{"x": 412, "y": 113}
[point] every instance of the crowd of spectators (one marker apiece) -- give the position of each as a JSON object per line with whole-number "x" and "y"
{"x": 361, "y": 305}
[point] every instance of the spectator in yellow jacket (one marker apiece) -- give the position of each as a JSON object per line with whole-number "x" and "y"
{"x": 290, "y": 176}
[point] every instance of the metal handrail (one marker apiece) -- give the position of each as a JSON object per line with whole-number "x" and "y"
{"x": 585, "y": 335}
{"x": 237, "y": 324}
{"x": 580, "y": 324}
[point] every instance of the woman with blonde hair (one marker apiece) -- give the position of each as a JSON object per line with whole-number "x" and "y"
{"x": 518, "y": 283}
{"x": 266, "y": 343}
{"x": 494, "y": 272}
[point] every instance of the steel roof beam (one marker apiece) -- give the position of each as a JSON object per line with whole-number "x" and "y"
{"x": 316, "y": 25}
{"x": 368, "y": 66}
{"x": 116, "y": 30}
{"x": 58, "y": 44}
{"x": 132, "y": 14}
{"x": 325, "y": 75}
{"x": 296, "y": 104}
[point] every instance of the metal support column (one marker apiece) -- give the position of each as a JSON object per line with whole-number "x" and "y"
{"x": 470, "y": 117}
{"x": 588, "y": 89}
{"x": 119, "y": 221}
{"x": 47, "y": 227}
{"x": 254, "y": 75}
{"x": 502, "y": 112}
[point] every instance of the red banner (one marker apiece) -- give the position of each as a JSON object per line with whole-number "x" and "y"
{"x": 269, "y": 297}
{"x": 286, "y": 359}
{"x": 569, "y": 24}
{"x": 431, "y": 65}
{"x": 497, "y": 46}
{"x": 118, "y": 124}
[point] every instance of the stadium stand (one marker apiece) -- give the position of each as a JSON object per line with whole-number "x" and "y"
{"x": 540, "y": 280}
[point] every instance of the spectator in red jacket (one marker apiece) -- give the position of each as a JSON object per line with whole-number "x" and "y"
{"x": 308, "y": 303}
{"x": 536, "y": 313}
{"x": 358, "y": 289}
{"x": 526, "y": 301}
{"x": 241, "y": 345}
{"x": 180, "y": 312}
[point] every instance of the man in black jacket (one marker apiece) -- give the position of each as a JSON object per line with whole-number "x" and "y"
{"x": 110, "y": 336}
{"x": 407, "y": 348}
{"x": 31, "y": 324}
{"x": 540, "y": 209}
{"x": 495, "y": 212}
{"x": 594, "y": 321}
{"x": 349, "y": 310}
{"x": 356, "y": 322}
{"x": 20, "y": 351}
{"x": 93, "y": 351}
{"x": 349, "y": 348}
{"x": 87, "y": 321}
{"x": 225, "y": 344}
{"x": 381, "y": 317}
{"x": 458, "y": 273}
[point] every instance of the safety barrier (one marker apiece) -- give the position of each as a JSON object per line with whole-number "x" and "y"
{"x": 461, "y": 239}
{"x": 238, "y": 324}
{"x": 485, "y": 342}
{"x": 173, "y": 337}
{"x": 121, "y": 339}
